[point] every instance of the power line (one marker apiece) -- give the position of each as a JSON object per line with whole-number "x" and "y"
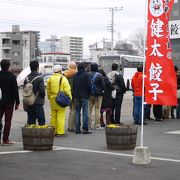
{"x": 51, "y": 5}
{"x": 12, "y": 17}
{"x": 57, "y": 26}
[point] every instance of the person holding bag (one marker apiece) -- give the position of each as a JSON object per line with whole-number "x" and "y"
{"x": 56, "y": 83}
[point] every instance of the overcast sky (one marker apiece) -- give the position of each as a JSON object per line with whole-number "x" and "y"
{"x": 83, "y": 18}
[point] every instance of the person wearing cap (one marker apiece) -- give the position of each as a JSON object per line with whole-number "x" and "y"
{"x": 36, "y": 111}
{"x": 69, "y": 74}
{"x": 53, "y": 87}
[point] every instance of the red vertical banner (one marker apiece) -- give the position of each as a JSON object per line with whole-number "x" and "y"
{"x": 160, "y": 81}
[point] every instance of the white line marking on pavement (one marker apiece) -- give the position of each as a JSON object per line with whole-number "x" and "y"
{"x": 174, "y": 132}
{"x": 98, "y": 152}
{"x": 118, "y": 154}
{"x": 58, "y": 148}
{"x": 14, "y": 152}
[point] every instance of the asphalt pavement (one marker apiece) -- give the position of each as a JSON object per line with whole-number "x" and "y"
{"x": 81, "y": 157}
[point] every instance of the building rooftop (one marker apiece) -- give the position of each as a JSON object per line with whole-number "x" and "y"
{"x": 60, "y": 53}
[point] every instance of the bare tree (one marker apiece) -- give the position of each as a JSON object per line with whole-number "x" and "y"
{"x": 137, "y": 39}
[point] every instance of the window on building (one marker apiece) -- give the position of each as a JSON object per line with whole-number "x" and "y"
{"x": 6, "y": 51}
{"x": 6, "y": 41}
{"x": 61, "y": 59}
{"x": 16, "y": 54}
{"x": 16, "y": 42}
{"x": 16, "y": 64}
{"x": 50, "y": 59}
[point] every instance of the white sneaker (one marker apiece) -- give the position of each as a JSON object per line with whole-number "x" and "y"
{"x": 98, "y": 127}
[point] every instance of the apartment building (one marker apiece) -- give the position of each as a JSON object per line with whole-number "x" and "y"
{"x": 73, "y": 46}
{"x": 174, "y": 26}
{"x": 52, "y": 44}
{"x": 19, "y": 47}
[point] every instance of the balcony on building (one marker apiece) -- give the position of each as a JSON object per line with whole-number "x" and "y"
{"x": 6, "y": 54}
{"x": 6, "y": 43}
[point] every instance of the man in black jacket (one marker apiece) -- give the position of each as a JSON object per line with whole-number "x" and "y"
{"x": 82, "y": 90}
{"x": 36, "y": 111}
{"x": 117, "y": 95}
{"x": 10, "y": 97}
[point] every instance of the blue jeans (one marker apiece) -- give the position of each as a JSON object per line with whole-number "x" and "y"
{"x": 36, "y": 112}
{"x": 137, "y": 109}
{"x": 81, "y": 104}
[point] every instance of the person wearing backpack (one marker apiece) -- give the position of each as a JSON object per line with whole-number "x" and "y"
{"x": 95, "y": 100}
{"x": 117, "y": 81}
{"x": 35, "y": 81}
{"x": 9, "y": 99}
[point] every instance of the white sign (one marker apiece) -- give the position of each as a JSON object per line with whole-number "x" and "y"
{"x": 174, "y": 29}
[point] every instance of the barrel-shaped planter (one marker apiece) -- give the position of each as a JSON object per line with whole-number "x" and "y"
{"x": 122, "y": 137}
{"x": 38, "y": 139}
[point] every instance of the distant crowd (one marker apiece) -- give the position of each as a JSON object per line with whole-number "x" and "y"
{"x": 90, "y": 93}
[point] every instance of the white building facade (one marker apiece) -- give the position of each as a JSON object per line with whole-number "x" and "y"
{"x": 73, "y": 46}
{"x": 57, "y": 58}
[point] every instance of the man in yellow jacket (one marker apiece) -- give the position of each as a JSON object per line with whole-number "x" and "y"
{"x": 53, "y": 87}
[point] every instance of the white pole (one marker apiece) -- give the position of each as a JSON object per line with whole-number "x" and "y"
{"x": 145, "y": 35}
{"x": 112, "y": 29}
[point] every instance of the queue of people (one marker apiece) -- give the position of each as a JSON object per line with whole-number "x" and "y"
{"x": 91, "y": 93}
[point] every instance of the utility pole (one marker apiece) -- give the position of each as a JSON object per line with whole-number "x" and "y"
{"x": 112, "y": 25}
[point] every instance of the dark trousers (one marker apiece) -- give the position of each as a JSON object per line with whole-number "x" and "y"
{"x": 172, "y": 112}
{"x": 36, "y": 112}
{"x": 6, "y": 110}
{"x": 147, "y": 111}
{"x": 157, "y": 111}
{"x": 108, "y": 117}
{"x": 116, "y": 109}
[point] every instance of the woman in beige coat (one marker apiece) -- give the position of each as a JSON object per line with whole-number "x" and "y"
{"x": 57, "y": 112}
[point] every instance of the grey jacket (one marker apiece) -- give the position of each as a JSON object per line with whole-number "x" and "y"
{"x": 38, "y": 87}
